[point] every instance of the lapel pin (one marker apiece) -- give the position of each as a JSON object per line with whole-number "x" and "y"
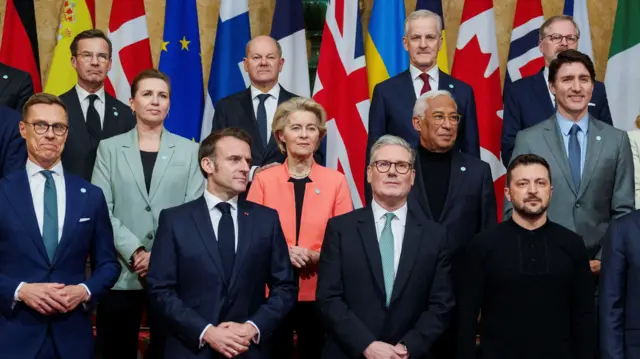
{"x": 450, "y": 86}
{"x": 83, "y": 190}
{"x": 246, "y": 213}
{"x": 317, "y": 191}
{"x": 463, "y": 169}
{"x": 5, "y": 77}
{"x": 598, "y": 138}
{"x": 115, "y": 113}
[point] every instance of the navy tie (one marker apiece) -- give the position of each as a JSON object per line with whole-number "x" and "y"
{"x": 226, "y": 238}
{"x": 50, "y": 219}
{"x": 261, "y": 116}
{"x": 574, "y": 155}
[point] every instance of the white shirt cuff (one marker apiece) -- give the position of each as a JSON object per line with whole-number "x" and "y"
{"x": 88, "y": 291}
{"x": 256, "y": 338}
{"x": 202, "y": 342}
{"x": 15, "y": 294}
{"x": 252, "y": 171}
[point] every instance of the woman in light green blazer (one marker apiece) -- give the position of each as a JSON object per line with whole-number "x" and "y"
{"x": 141, "y": 172}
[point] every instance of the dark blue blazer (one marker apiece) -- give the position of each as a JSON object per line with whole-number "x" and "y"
{"x": 188, "y": 289}
{"x": 24, "y": 259}
{"x": 13, "y": 151}
{"x": 527, "y": 103}
{"x": 392, "y": 105}
{"x": 620, "y": 289}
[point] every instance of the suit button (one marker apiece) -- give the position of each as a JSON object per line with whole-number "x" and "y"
{"x": 148, "y": 209}
{"x": 577, "y": 205}
{"x": 149, "y": 236}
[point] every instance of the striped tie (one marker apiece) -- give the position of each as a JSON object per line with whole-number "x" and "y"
{"x": 386, "y": 253}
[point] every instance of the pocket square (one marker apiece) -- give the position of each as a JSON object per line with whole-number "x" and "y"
{"x": 84, "y": 219}
{"x": 591, "y": 104}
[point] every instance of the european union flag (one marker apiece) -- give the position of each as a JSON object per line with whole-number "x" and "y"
{"x": 180, "y": 60}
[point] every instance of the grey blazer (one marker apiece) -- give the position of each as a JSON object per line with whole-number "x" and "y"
{"x": 176, "y": 179}
{"x": 606, "y": 189}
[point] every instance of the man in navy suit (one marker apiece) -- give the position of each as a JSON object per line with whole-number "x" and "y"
{"x": 213, "y": 258}
{"x": 529, "y": 100}
{"x": 13, "y": 153}
{"x": 51, "y": 222}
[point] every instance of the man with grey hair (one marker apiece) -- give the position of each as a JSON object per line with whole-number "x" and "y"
{"x": 384, "y": 284}
{"x": 393, "y": 99}
{"x": 453, "y": 188}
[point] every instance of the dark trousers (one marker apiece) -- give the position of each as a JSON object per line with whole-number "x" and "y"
{"x": 48, "y": 349}
{"x": 118, "y": 320}
{"x": 305, "y": 320}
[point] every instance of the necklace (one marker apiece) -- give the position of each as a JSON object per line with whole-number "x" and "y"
{"x": 298, "y": 176}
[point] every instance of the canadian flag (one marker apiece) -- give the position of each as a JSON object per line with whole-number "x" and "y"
{"x": 476, "y": 63}
{"x": 131, "y": 49}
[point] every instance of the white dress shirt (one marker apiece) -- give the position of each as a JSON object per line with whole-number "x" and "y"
{"x": 215, "y": 214}
{"x": 434, "y": 78}
{"x": 270, "y": 105}
{"x": 397, "y": 228}
{"x": 99, "y": 104}
{"x": 545, "y": 73}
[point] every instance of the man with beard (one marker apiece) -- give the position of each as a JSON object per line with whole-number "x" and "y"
{"x": 530, "y": 279}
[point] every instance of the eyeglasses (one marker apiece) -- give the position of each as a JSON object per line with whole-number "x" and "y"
{"x": 439, "y": 118}
{"x": 42, "y": 128}
{"x": 557, "y": 38}
{"x": 401, "y": 166}
{"x": 86, "y": 57}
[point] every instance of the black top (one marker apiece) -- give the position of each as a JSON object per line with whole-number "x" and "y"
{"x": 535, "y": 291}
{"x": 299, "y": 185}
{"x": 436, "y": 172}
{"x": 148, "y": 161}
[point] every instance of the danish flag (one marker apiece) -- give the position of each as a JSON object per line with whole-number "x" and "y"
{"x": 131, "y": 49}
{"x": 476, "y": 62}
{"x": 341, "y": 88}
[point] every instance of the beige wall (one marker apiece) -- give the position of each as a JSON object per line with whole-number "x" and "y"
{"x": 601, "y": 15}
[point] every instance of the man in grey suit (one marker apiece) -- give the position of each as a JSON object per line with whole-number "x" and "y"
{"x": 591, "y": 162}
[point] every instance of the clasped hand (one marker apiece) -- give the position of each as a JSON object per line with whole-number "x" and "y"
{"x": 304, "y": 259}
{"x": 51, "y": 298}
{"x": 140, "y": 261}
{"x": 230, "y": 339}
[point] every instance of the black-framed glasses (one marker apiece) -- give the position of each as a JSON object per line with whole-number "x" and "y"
{"x": 41, "y": 128}
{"x": 401, "y": 166}
{"x": 86, "y": 57}
{"x": 557, "y": 38}
{"x": 439, "y": 118}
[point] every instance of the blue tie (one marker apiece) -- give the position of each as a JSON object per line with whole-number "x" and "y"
{"x": 226, "y": 238}
{"x": 262, "y": 118}
{"x": 50, "y": 220}
{"x": 386, "y": 253}
{"x": 574, "y": 155}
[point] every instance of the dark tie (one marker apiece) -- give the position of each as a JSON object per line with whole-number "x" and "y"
{"x": 226, "y": 238}
{"x": 50, "y": 219}
{"x": 425, "y": 87}
{"x": 93, "y": 118}
{"x": 261, "y": 116}
{"x": 574, "y": 155}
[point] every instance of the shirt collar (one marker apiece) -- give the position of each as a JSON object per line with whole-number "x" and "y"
{"x": 34, "y": 169}
{"x": 82, "y": 93}
{"x": 545, "y": 73}
{"x": 434, "y": 73}
{"x": 566, "y": 124}
{"x": 212, "y": 200}
{"x": 275, "y": 92}
{"x": 379, "y": 212}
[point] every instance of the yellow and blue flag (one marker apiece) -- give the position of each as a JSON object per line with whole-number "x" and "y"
{"x": 180, "y": 60}
{"x": 384, "y": 53}
{"x": 436, "y": 7}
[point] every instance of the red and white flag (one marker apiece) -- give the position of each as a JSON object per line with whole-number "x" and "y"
{"x": 476, "y": 63}
{"x": 341, "y": 88}
{"x": 131, "y": 49}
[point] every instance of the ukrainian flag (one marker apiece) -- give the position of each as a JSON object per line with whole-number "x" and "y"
{"x": 384, "y": 53}
{"x": 436, "y": 6}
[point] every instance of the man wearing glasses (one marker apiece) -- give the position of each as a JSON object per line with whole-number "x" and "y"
{"x": 93, "y": 114}
{"x": 529, "y": 100}
{"x": 454, "y": 189}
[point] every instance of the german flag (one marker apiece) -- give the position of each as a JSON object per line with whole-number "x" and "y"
{"x": 20, "y": 40}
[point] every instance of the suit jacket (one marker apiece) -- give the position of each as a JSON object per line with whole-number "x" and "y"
{"x": 80, "y": 149}
{"x": 527, "y": 103}
{"x": 351, "y": 294}
{"x": 16, "y": 87}
{"x": 326, "y": 196}
{"x": 86, "y": 232}
{"x": 188, "y": 289}
{"x": 620, "y": 290}
{"x": 133, "y": 210}
{"x": 606, "y": 187}
{"x": 13, "y": 150}
{"x": 634, "y": 139}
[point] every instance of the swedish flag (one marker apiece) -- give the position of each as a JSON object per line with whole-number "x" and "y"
{"x": 180, "y": 60}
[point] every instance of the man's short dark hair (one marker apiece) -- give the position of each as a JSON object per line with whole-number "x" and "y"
{"x": 42, "y": 98}
{"x": 89, "y": 34}
{"x": 527, "y": 160}
{"x": 570, "y": 57}
{"x": 208, "y": 145}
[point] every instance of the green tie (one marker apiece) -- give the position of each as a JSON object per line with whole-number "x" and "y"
{"x": 50, "y": 219}
{"x": 386, "y": 253}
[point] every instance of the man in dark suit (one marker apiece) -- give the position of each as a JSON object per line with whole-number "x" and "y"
{"x": 13, "y": 152}
{"x": 253, "y": 109}
{"x": 213, "y": 258}
{"x": 453, "y": 188}
{"x": 15, "y": 87}
{"x": 51, "y": 222}
{"x": 94, "y": 115}
{"x": 384, "y": 282}
{"x": 529, "y": 100}
{"x": 393, "y": 99}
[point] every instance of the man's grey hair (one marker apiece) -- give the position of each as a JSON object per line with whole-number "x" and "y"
{"x": 390, "y": 140}
{"x": 278, "y": 47}
{"x": 422, "y": 14}
{"x": 421, "y": 103}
